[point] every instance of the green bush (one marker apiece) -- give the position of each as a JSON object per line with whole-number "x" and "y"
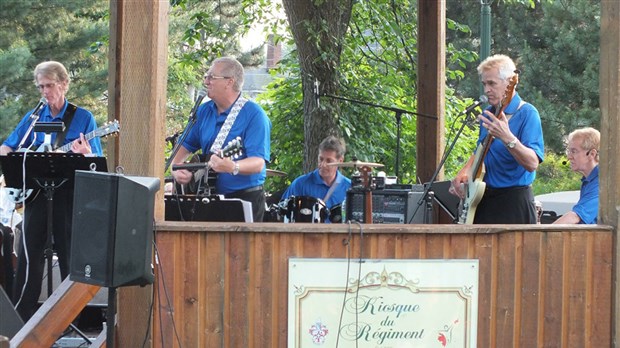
{"x": 553, "y": 175}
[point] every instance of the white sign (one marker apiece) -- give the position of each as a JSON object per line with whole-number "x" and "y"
{"x": 383, "y": 303}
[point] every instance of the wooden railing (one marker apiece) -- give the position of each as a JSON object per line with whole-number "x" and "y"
{"x": 225, "y": 285}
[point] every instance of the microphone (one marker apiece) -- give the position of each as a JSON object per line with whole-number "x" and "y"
{"x": 201, "y": 95}
{"x": 316, "y": 92}
{"x": 482, "y": 100}
{"x": 37, "y": 109}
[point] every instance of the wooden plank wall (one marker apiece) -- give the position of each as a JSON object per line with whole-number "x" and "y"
{"x": 225, "y": 285}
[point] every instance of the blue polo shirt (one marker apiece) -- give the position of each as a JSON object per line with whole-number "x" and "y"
{"x": 502, "y": 170}
{"x": 83, "y": 122}
{"x": 587, "y": 206}
{"x": 251, "y": 124}
{"x": 312, "y": 185}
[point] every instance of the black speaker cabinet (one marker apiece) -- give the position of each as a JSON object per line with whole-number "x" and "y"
{"x": 112, "y": 231}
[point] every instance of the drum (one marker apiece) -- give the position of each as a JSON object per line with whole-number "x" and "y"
{"x": 335, "y": 214}
{"x": 304, "y": 209}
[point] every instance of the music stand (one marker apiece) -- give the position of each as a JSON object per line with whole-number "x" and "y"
{"x": 47, "y": 171}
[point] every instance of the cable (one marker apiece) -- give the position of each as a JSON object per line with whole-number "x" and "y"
{"x": 24, "y": 223}
{"x": 347, "y": 242}
{"x": 148, "y": 327}
{"x": 168, "y": 302}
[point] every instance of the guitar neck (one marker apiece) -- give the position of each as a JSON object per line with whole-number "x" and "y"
{"x": 483, "y": 148}
{"x": 481, "y": 152}
{"x": 66, "y": 147}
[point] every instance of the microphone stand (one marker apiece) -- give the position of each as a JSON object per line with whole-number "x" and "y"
{"x": 427, "y": 194}
{"x": 34, "y": 118}
{"x": 398, "y": 113}
{"x": 190, "y": 123}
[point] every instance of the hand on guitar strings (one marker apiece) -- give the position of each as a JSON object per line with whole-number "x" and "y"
{"x": 221, "y": 165}
{"x": 497, "y": 126}
{"x": 81, "y": 145}
{"x": 456, "y": 186}
{"x": 182, "y": 176}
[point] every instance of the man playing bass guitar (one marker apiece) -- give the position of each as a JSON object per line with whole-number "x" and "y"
{"x": 495, "y": 183}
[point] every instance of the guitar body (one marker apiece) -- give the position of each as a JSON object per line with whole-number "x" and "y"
{"x": 198, "y": 164}
{"x": 474, "y": 190}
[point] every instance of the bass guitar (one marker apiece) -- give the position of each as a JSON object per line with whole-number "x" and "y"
{"x": 475, "y": 186}
{"x": 110, "y": 128}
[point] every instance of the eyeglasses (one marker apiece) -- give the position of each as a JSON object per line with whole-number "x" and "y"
{"x": 210, "y": 77}
{"x": 47, "y": 85}
{"x": 574, "y": 151}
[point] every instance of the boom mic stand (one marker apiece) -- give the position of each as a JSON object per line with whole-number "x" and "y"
{"x": 427, "y": 195}
{"x": 398, "y": 113}
{"x": 190, "y": 123}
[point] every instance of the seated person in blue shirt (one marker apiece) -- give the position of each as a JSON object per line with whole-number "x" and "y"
{"x": 326, "y": 182}
{"x": 582, "y": 153}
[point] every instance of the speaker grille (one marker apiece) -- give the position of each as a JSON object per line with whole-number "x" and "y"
{"x": 112, "y": 234}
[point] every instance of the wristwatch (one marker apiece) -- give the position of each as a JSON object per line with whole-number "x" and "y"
{"x": 512, "y": 144}
{"x": 236, "y": 169}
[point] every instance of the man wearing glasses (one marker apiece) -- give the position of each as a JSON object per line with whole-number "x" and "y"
{"x": 52, "y": 80}
{"x": 222, "y": 119}
{"x": 582, "y": 153}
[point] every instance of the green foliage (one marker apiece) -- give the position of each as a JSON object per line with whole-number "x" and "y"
{"x": 556, "y": 47}
{"x": 377, "y": 66}
{"x": 553, "y": 175}
{"x": 66, "y": 34}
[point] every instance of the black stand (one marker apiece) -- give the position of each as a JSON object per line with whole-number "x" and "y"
{"x": 111, "y": 318}
{"x": 398, "y": 113}
{"x": 48, "y": 172}
{"x": 176, "y": 143}
{"x": 428, "y": 195}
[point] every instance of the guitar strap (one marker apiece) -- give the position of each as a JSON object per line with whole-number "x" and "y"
{"x": 521, "y": 103}
{"x": 67, "y": 118}
{"x": 230, "y": 120}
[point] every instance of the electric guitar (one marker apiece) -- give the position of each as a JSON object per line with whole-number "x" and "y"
{"x": 234, "y": 149}
{"x": 110, "y": 128}
{"x": 475, "y": 186}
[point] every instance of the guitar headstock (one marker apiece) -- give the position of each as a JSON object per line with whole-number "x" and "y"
{"x": 510, "y": 89}
{"x": 233, "y": 149}
{"x": 109, "y": 128}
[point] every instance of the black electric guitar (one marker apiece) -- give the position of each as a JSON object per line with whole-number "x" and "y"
{"x": 200, "y": 167}
{"x": 110, "y": 128}
{"x": 475, "y": 186}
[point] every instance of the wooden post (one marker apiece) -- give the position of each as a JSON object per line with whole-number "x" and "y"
{"x": 609, "y": 86}
{"x": 138, "y": 80}
{"x": 431, "y": 86}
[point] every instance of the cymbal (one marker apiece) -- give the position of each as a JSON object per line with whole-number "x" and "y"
{"x": 273, "y": 172}
{"x": 356, "y": 164}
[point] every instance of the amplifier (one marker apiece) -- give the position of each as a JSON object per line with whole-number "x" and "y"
{"x": 390, "y": 206}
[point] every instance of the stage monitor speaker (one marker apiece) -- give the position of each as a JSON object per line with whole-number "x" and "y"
{"x": 112, "y": 231}
{"x": 390, "y": 206}
{"x": 10, "y": 321}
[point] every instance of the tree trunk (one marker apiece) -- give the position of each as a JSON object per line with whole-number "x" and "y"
{"x": 318, "y": 28}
